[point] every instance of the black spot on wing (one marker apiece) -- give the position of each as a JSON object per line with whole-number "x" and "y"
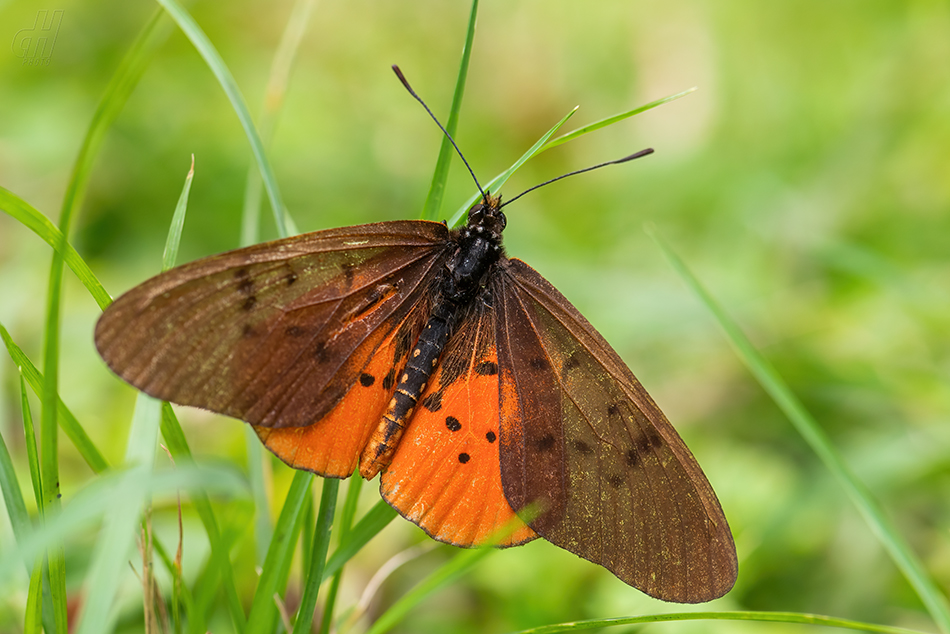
{"x": 633, "y": 458}
{"x": 290, "y": 278}
{"x": 452, "y": 423}
{"x": 246, "y": 286}
{"x": 320, "y": 352}
{"x": 545, "y": 443}
{"x": 249, "y": 303}
{"x": 613, "y": 409}
{"x": 491, "y": 437}
{"x": 538, "y": 363}
{"x": 367, "y": 380}
{"x": 464, "y": 457}
{"x": 616, "y": 481}
{"x": 248, "y": 331}
{"x": 569, "y": 364}
{"x": 583, "y": 448}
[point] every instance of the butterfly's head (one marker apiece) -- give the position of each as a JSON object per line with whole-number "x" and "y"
{"x": 488, "y": 215}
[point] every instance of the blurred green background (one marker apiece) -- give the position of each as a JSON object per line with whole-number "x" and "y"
{"x": 806, "y": 182}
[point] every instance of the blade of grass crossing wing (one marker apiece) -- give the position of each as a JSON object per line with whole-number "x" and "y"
{"x": 496, "y": 183}
{"x": 806, "y": 425}
{"x": 263, "y": 611}
{"x": 321, "y": 544}
{"x": 274, "y": 94}
{"x": 217, "y": 66}
{"x": 603, "y": 123}
{"x": 433, "y": 204}
{"x": 345, "y": 523}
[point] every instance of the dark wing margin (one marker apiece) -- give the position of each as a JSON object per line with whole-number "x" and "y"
{"x": 272, "y": 333}
{"x": 582, "y": 442}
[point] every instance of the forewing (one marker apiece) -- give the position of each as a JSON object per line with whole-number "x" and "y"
{"x": 275, "y": 334}
{"x": 583, "y": 441}
{"x": 445, "y": 475}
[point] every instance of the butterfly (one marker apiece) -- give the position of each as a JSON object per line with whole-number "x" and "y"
{"x": 484, "y": 399}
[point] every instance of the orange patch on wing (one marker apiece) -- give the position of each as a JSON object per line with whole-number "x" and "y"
{"x": 446, "y": 474}
{"x": 332, "y": 446}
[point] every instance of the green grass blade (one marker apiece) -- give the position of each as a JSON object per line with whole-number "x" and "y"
{"x": 220, "y": 554}
{"x": 263, "y": 611}
{"x": 446, "y": 574}
{"x": 178, "y": 220}
{"x": 345, "y": 523}
{"x": 806, "y": 425}
{"x": 433, "y": 204}
{"x": 99, "y": 496}
{"x": 498, "y": 182}
{"x": 274, "y": 94}
{"x": 117, "y": 537}
{"x": 255, "y": 473}
{"x": 71, "y": 427}
{"x": 603, "y": 123}
{"x": 375, "y": 520}
{"x": 321, "y": 544}
{"x": 39, "y": 224}
{"x": 767, "y": 617}
{"x": 110, "y": 105}
{"x": 208, "y": 52}
{"x": 33, "y": 622}
{"x": 13, "y": 499}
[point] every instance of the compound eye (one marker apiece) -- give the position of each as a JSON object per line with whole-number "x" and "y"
{"x": 502, "y": 219}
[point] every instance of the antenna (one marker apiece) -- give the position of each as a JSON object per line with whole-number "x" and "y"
{"x": 412, "y": 92}
{"x": 636, "y": 155}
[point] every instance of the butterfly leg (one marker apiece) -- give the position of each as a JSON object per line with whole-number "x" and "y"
{"x": 422, "y": 361}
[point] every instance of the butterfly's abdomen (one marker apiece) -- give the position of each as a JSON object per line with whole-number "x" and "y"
{"x": 477, "y": 251}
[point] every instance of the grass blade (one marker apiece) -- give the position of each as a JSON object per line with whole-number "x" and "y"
{"x": 178, "y": 221}
{"x": 446, "y": 574}
{"x": 263, "y": 611}
{"x": 372, "y": 523}
{"x": 118, "y": 533}
{"x": 498, "y": 182}
{"x": 806, "y": 425}
{"x": 766, "y": 617}
{"x": 321, "y": 544}
{"x": 433, "y": 204}
{"x": 345, "y": 523}
{"x": 603, "y": 123}
{"x": 71, "y": 427}
{"x": 39, "y": 224}
{"x": 220, "y": 554}
{"x": 207, "y": 51}
{"x": 274, "y": 93}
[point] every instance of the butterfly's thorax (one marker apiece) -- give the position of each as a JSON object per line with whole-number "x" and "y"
{"x": 477, "y": 246}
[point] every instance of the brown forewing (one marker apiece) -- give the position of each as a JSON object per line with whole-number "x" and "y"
{"x": 583, "y": 440}
{"x": 272, "y": 334}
